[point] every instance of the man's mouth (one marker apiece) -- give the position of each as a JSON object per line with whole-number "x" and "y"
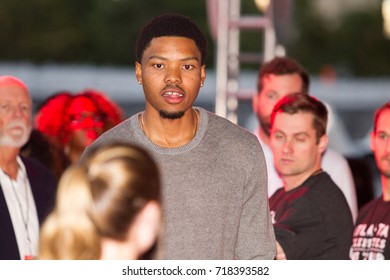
{"x": 172, "y": 93}
{"x": 173, "y": 97}
{"x": 286, "y": 160}
{"x": 16, "y": 131}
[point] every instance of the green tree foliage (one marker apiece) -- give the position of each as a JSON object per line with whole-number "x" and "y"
{"x": 42, "y": 30}
{"x": 105, "y": 31}
{"x": 356, "y": 47}
{"x": 364, "y": 45}
{"x": 87, "y": 31}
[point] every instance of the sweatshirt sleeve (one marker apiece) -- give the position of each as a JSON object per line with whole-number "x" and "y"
{"x": 256, "y": 239}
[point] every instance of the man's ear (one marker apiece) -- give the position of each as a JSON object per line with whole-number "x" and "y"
{"x": 138, "y": 72}
{"x": 323, "y": 143}
{"x": 255, "y": 102}
{"x": 203, "y": 73}
{"x": 146, "y": 227}
{"x": 372, "y": 141}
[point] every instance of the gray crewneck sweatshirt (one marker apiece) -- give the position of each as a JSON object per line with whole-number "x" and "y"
{"x": 214, "y": 191}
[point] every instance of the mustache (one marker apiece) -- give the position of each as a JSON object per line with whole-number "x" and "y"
{"x": 17, "y": 123}
{"x": 173, "y": 87}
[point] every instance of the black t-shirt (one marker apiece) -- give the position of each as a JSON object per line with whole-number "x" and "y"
{"x": 371, "y": 234}
{"x": 312, "y": 221}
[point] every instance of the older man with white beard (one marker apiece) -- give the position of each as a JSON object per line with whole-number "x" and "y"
{"x": 27, "y": 188}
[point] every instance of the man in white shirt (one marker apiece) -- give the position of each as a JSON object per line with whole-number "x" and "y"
{"x": 278, "y": 78}
{"x": 27, "y": 188}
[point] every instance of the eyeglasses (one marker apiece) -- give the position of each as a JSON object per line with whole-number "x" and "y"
{"x": 79, "y": 121}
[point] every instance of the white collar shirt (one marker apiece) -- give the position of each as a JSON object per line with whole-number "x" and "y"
{"x": 22, "y": 210}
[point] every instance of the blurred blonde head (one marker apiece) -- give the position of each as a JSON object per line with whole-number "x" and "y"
{"x": 107, "y": 207}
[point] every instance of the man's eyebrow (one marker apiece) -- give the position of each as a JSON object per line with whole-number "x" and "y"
{"x": 303, "y": 133}
{"x": 278, "y": 130}
{"x": 381, "y": 132}
{"x": 190, "y": 58}
{"x": 157, "y": 57}
{"x": 164, "y": 58}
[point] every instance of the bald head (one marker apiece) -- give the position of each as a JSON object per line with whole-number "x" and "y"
{"x": 8, "y": 81}
{"x": 15, "y": 112}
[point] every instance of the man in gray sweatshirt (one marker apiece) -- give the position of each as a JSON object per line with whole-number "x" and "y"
{"x": 214, "y": 173}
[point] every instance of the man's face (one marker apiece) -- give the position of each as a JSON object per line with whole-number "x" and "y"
{"x": 275, "y": 87}
{"x": 15, "y": 116}
{"x": 295, "y": 148}
{"x": 380, "y": 143}
{"x": 171, "y": 75}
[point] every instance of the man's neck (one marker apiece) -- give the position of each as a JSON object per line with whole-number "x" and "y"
{"x": 293, "y": 182}
{"x": 385, "y": 188}
{"x": 8, "y": 160}
{"x": 171, "y": 133}
{"x": 264, "y": 136}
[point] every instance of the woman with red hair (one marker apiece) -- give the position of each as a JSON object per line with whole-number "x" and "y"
{"x": 73, "y": 121}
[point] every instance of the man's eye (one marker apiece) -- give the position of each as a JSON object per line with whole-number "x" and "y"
{"x": 271, "y": 95}
{"x": 188, "y": 67}
{"x": 278, "y": 137}
{"x": 158, "y": 66}
{"x": 383, "y": 136}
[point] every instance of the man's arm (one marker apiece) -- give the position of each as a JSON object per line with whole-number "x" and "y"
{"x": 299, "y": 230}
{"x": 338, "y": 169}
{"x": 280, "y": 255}
{"x": 256, "y": 238}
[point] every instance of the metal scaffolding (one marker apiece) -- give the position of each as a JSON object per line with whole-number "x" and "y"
{"x": 230, "y": 22}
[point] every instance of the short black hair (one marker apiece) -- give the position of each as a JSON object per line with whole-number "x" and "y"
{"x": 171, "y": 25}
{"x": 283, "y": 66}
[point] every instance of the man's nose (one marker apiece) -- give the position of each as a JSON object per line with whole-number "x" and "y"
{"x": 17, "y": 112}
{"x": 287, "y": 147}
{"x": 173, "y": 76}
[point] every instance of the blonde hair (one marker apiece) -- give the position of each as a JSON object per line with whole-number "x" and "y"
{"x": 97, "y": 198}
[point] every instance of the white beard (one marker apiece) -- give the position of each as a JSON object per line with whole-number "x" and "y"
{"x": 17, "y": 138}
